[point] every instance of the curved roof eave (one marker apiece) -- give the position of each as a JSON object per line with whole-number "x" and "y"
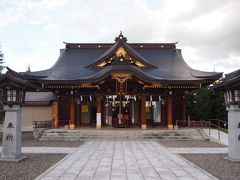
{"x": 125, "y": 69}
{"x": 203, "y": 74}
{"x": 112, "y": 50}
{"x": 16, "y": 78}
{"x": 100, "y": 75}
{"x": 141, "y": 75}
{"x": 196, "y": 73}
{"x": 37, "y": 74}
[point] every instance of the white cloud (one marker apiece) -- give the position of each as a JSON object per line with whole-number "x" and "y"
{"x": 53, "y": 28}
{"x": 207, "y": 31}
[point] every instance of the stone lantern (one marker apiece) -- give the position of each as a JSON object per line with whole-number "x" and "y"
{"x": 232, "y": 96}
{"x": 231, "y": 87}
{"x": 14, "y": 87}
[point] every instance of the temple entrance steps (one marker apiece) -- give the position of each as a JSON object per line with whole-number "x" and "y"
{"x": 121, "y": 134}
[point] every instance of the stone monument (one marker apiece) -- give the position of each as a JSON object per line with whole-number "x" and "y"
{"x": 12, "y": 135}
{"x": 234, "y": 133}
{"x": 14, "y": 87}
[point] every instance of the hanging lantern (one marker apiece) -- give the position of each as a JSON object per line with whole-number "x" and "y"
{"x": 13, "y": 96}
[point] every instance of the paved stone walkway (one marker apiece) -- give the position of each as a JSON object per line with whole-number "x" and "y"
{"x": 47, "y": 150}
{"x": 120, "y": 160}
{"x": 199, "y": 150}
{"x": 67, "y": 150}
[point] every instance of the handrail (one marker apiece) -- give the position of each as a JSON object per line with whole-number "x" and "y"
{"x": 218, "y": 126}
{"x": 209, "y": 123}
{"x": 219, "y": 120}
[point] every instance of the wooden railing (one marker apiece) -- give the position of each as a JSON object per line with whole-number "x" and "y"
{"x": 201, "y": 124}
{"x": 219, "y": 125}
{"x": 216, "y": 124}
{"x": 181, "y": 123}
{"x": 42, "y": 124}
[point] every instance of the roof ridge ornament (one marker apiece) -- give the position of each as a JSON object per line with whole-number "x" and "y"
{"x": 121, "y": 37}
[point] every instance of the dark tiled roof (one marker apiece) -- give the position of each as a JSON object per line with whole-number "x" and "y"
{"x": 231, "y": 80}
{"x": 39, "y": 98}
{"x": 167, "y": 64}
{"x": 16, "y": 80}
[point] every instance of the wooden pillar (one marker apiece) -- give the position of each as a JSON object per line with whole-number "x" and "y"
{"x": 169, "y": 115}
{"x": 79, "y": 110}
{"x": 143, "y": 112}
{"x": 72, "y": 113}
{"x": 163, "y": 109}
{"x": 184, "y": 109}
{"x": 57, "y": 113}
{"x": 132, "y": 112}
{"x": 99, "y": 119}
{"x": 107, "y": 111}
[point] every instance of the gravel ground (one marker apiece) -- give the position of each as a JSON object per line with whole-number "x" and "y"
{"x": 29, "y": 141}
{"x": 216, "y": 164}
{"x": 28, "y": 169}
{"x": 189, "y": 143}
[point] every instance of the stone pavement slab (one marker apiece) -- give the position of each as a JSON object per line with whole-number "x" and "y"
{"x": 67, "y": 150}
{"x": 199, "y": 150}
{"x": 119, "y": 160}
{"x": 47, "y": 150}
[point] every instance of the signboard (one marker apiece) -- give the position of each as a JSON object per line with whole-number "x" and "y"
{"x": 156, "y": 112}
{"x": 84, "y": 108}
{"x": 98, "y": 118}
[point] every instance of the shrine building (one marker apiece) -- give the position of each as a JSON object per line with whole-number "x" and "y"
{"x": 116, "y": 84}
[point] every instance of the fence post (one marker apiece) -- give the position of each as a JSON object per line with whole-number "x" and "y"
{"x": 218, "y": 130}
{"x": 209, "y": 127}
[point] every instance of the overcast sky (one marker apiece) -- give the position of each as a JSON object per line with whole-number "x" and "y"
{"x": 207, "y": 31}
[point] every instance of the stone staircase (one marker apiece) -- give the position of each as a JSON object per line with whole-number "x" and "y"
{"x": 120, "y": 134}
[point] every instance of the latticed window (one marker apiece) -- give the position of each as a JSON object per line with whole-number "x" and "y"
{"x": 228, "y": 96}
{"x": 237, "y": 95}
{"x": 11, "y": 95}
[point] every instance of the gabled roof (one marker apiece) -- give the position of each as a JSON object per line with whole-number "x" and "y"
{"x": 16, "y": 80}
{"x": 121, "y": 45}
{"x": 163, "y": 63}
{"x": 230, "y": 81}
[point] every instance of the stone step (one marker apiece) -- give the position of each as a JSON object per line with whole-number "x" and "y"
{"x": 68, "y": 135}
{"x": 75, "y": 135}
{"x": 119, "y": 138}
{"x": 85, "y": 133}
{"x": 104, "y": 136}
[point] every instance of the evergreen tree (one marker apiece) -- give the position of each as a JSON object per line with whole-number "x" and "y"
{"x": 205, "y": 103}
{"x": 1, "y": 92}
{"x": 1, "y": 60}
